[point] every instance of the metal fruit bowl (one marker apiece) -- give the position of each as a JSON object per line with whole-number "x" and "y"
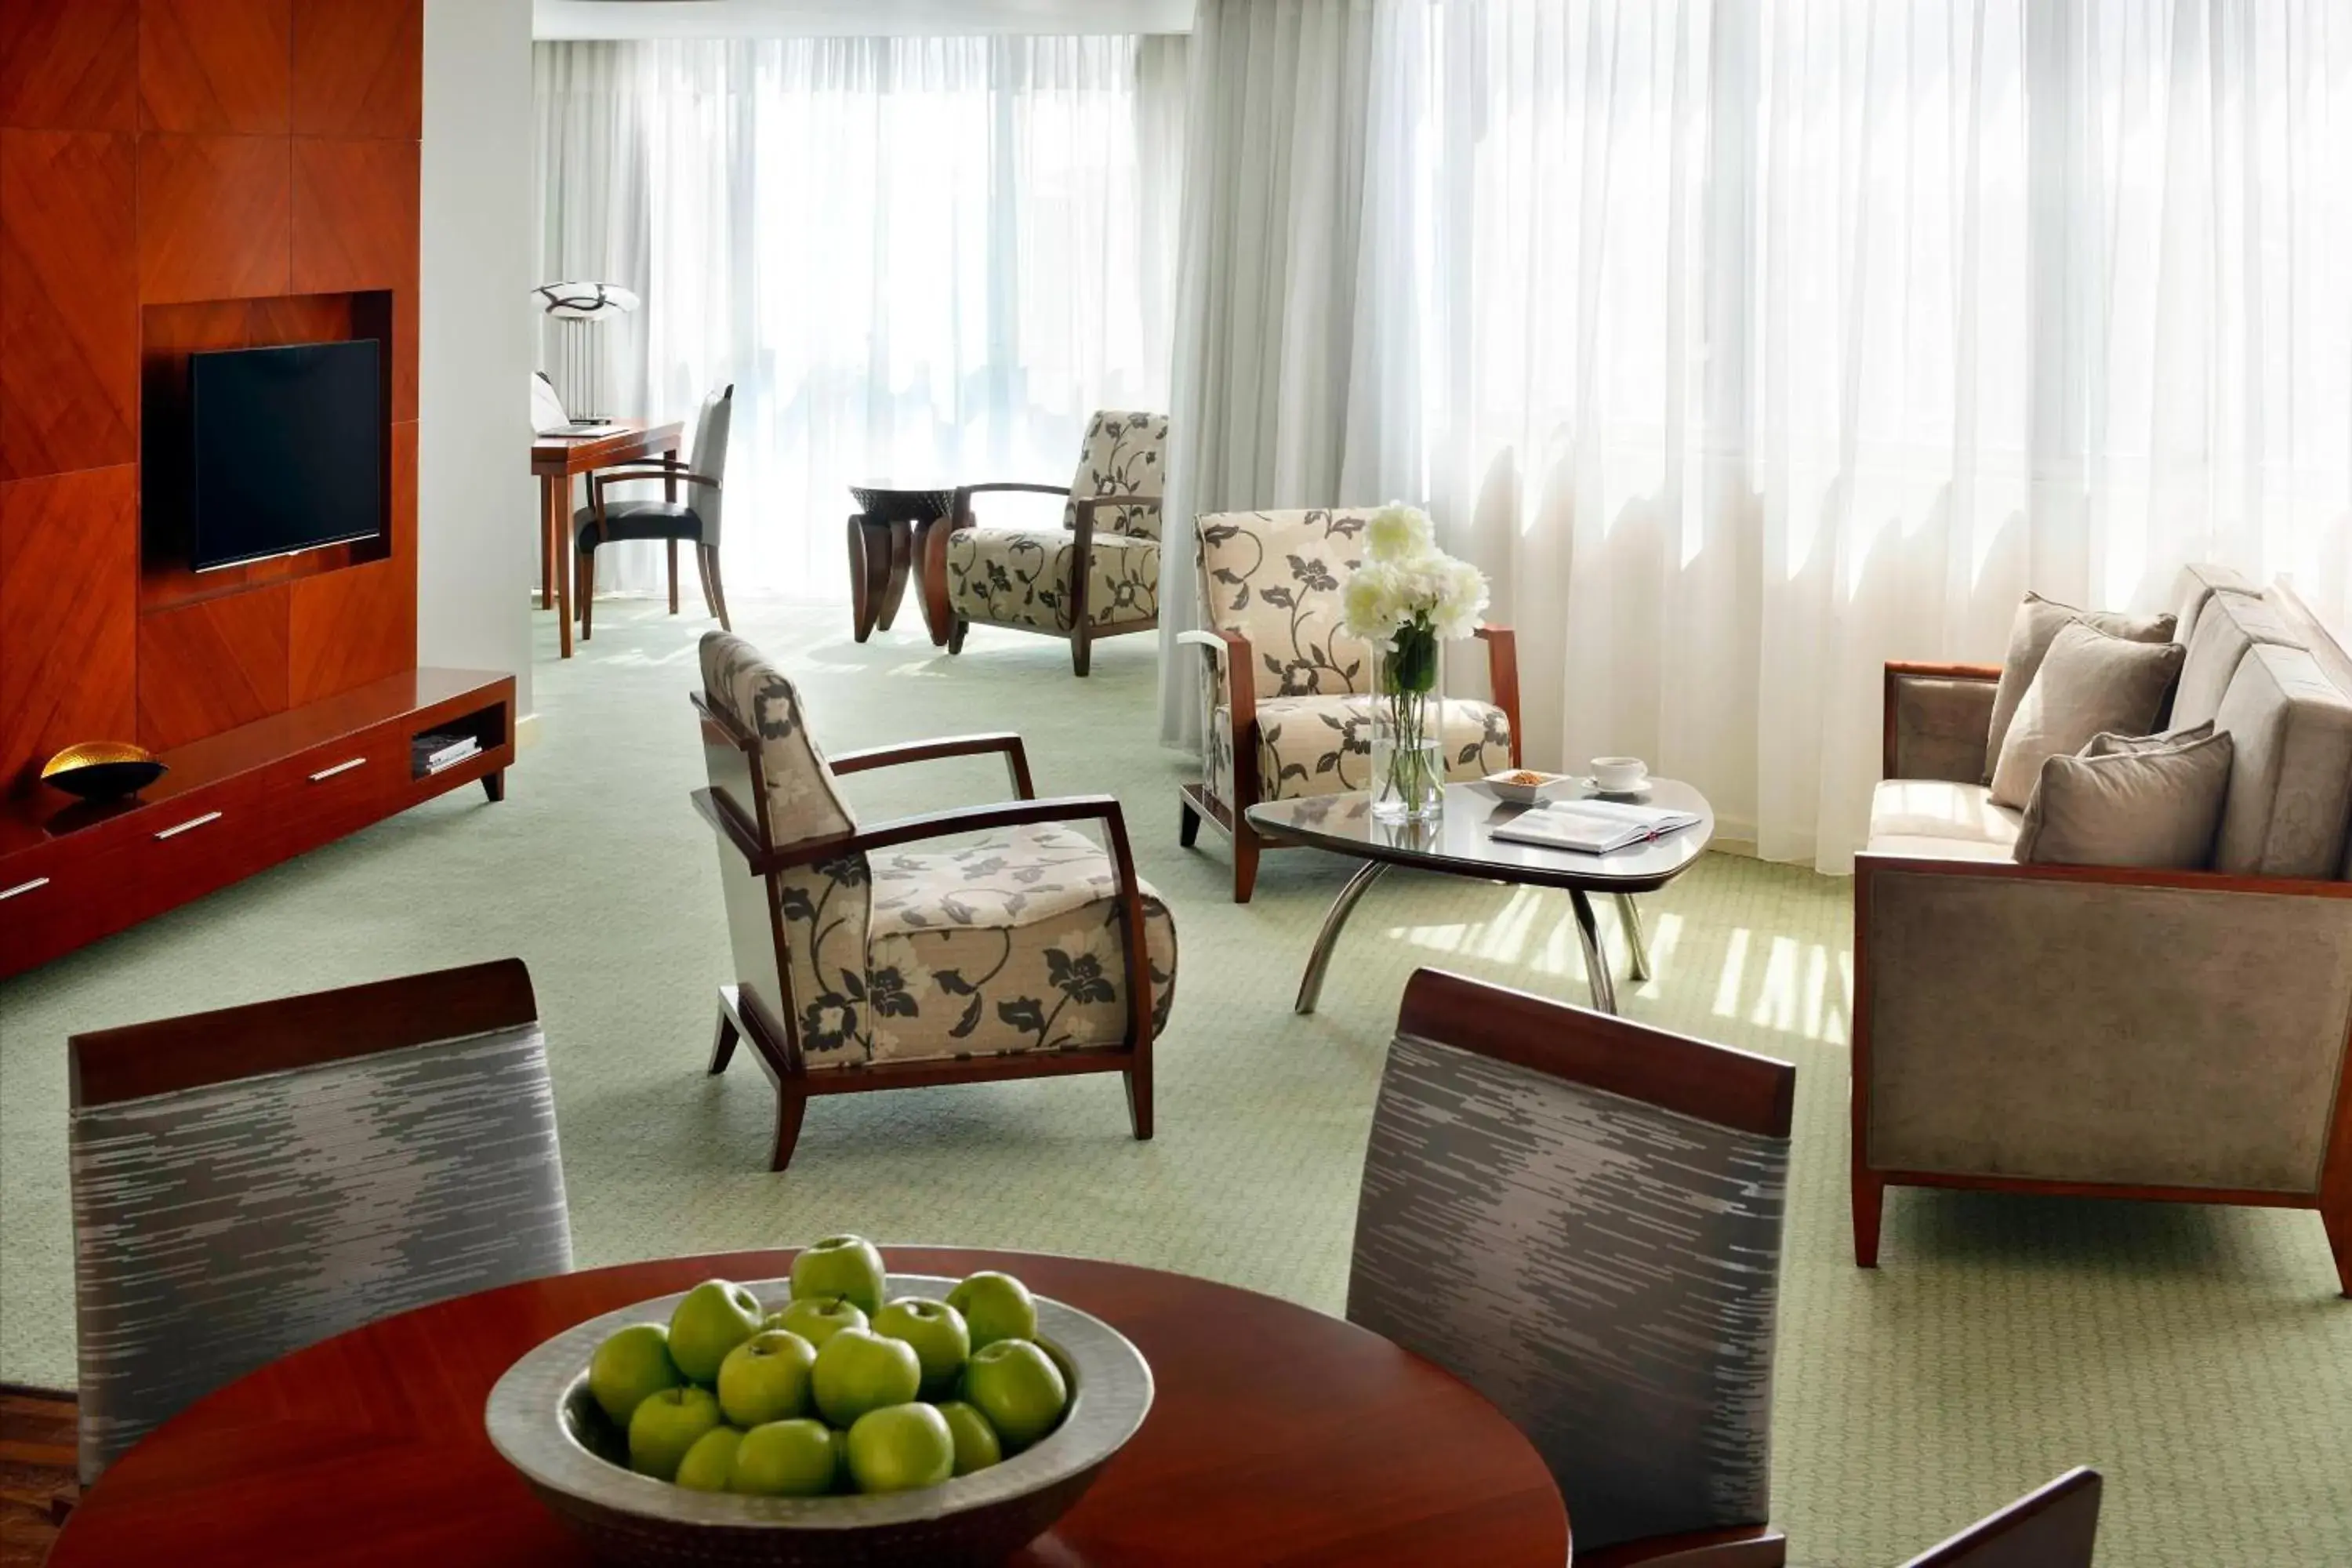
{"x": 543, "y": 1423}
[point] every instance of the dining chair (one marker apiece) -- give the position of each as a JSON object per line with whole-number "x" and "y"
{"x": 1285, "y": 692}
{"x": 694, "y": 521}
{"x": 866, "y": 959}
{"x": 2053, "y": 1527}
{"x": 248, "y": 1182}
{"x": 1097, "y": 575}
{"x": 1580, "y": 1217}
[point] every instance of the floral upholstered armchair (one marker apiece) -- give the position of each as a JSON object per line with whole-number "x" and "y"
{"x": 1286, "y": 692}
{"x": 871, "y": 958}
{"x": 1097, "y": 575}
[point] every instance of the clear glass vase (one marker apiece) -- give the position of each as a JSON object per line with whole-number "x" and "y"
{"x": 1408, "y": 778}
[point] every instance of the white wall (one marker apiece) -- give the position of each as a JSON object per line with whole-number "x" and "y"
{"x": 477, "y": 503}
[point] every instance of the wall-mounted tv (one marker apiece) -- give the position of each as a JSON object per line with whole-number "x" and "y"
{"x": 288, "y": 450}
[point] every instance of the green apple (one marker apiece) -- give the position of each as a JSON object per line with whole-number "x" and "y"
{"x": 818, "y": 1318}
{"x": 628, "y": 1367}
{"x": 713, "y": 1319}
{"x": 859, "y": 1371}
{"x": 901, "y": 1447}
{"x": 841, "y": 1266}
{"x": 766, "y": 1378}
{"x": 709, "y": 1464}
{"x": 1018, "y": 1388}
{"x": 976, "y": 1447}
{"x": 785, "y": 1458}
{"x": 666, "y": 1424}
{"x": 996, "y": 1306}
{"x": 938, "y": 1333}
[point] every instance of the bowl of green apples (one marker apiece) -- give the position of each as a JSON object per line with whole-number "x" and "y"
{"x": 844, "y": 1416}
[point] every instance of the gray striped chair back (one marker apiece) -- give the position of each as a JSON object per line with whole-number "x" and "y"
{"x": 250, "y": 1182}
{"x": 1580, "y": 1217}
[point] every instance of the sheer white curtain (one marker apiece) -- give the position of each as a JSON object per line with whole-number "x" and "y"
{"x": 923, "y": 259}
{"x": 1756, "y": 342}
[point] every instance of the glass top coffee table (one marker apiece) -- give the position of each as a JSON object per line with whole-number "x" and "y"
{"x": 1461, "y": 842}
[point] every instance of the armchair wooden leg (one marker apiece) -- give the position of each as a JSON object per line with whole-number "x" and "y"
{"x": 1187, "y": 826}
{"x": 722, "y": 1044}
{"x": 1138, "y": 1094}
{"x": 1082, "y": 649}
{"x": 584, "y": 574}
{"x": 955, "y": 634}
{"x": 1245, "y": 847}
{"x": 1869, "y": 1206}
{"x": 791, "y": 1106}
{"x": 718, "y": 593}
{"x": 673, "y": 575}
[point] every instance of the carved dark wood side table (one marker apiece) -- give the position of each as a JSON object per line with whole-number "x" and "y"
{"x": 886, "y": 536}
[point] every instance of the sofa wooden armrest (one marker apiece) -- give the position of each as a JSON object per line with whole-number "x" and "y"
{"x": 2097, "y": 1030}
{"x": 1937, "y": 719}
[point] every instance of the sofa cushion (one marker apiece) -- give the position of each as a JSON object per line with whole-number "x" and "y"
{"x": 2110, "y": 745}
{"x": 2195, "y": 588}
{"x": 2230, "y": 625}
{"x": 2291, "y": 780}
{"x": 1941, "y": 819}
{"x": 2038, "y": 621}
{"x": 2089, "y": 680}
{"x": 2152, "y": 805}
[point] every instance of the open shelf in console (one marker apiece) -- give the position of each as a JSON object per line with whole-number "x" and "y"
{"x": 458, "y": 739}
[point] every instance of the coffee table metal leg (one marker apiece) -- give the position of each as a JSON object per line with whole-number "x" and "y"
{"x": 1311, "y": 987}
{"x": 1596, "y": 960}
{"x": 1637, "y": 946}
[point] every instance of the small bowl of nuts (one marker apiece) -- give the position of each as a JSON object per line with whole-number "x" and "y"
{"x": 1525, "y": 787}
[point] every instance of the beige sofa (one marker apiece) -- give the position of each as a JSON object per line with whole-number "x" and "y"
{"x": 2104, "y": 1032}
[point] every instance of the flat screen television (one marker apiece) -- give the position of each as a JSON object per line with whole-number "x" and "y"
{"x": 286, "y": 452}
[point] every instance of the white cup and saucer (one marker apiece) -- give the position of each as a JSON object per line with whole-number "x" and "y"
{"x": 1619, "y": 775}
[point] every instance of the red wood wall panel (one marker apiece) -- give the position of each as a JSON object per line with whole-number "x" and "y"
{"x": 70, "y": 65}
{"x": 216, "y": 66}
{"x": 68, "y": 602}
{"x": 359, "y": 68}
{"x": 214, "y": 220}
{"x": 178, "y": 176}
{"x": 68, "y": 302}
{"x": 212, "y": 666}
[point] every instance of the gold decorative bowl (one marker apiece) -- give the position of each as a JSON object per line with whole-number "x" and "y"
{"x": 102, "y": 770}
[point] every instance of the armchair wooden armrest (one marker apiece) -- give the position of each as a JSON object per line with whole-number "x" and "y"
{"x": 723, "y": 814}
{"x": 1232, "y": 650}
{"x": 1089, "y": 505}
{"x": 1740, "y": 1546}
{"x": 622, "y": 473}
{"x": 1938, "y": 708}
{"x": 1016, "y": 760}
{"x": 1503, "y": 678}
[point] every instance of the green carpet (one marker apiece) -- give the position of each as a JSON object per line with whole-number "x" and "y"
{"x": 2199, "y": 1356}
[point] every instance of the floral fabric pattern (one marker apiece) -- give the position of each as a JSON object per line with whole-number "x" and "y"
{"x": 1323, "y": 745}
{"x": 1008, "y": 941}
{"x": 1022, "y": 577}
{"x": 1276, "y": 578}
{"x": 1010, "y": 944}
{"x": 1126, "y": 454}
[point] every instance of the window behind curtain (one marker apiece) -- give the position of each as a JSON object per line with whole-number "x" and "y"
{"x": 926, "y": 259}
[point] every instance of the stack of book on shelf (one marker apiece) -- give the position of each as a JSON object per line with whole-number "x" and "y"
{"x": 1593, "y": 827}
{"x": 432, "y": 752}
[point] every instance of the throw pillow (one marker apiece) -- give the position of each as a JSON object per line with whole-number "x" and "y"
{"x": 2038, "y": 621}
{"x": 2106, "y": 745}
{"x": 2088, "y": 681}
{"x": 2158, "y": 807}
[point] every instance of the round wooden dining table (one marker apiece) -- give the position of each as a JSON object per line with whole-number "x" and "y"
{"x": 1277, "y": 1434}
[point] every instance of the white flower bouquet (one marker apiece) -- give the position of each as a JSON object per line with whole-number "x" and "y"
{"x": 1408, "y": 599}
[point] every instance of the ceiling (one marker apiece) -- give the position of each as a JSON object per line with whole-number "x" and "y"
{"x": 854, "y": 18}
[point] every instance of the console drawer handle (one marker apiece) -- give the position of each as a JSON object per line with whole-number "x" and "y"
{"x": 193, "y": 822}
{"x": 37, "y": 883}
{"x": 323, "y": 775}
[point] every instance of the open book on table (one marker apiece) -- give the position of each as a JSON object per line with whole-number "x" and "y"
{"x": 1592, "y": 826}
